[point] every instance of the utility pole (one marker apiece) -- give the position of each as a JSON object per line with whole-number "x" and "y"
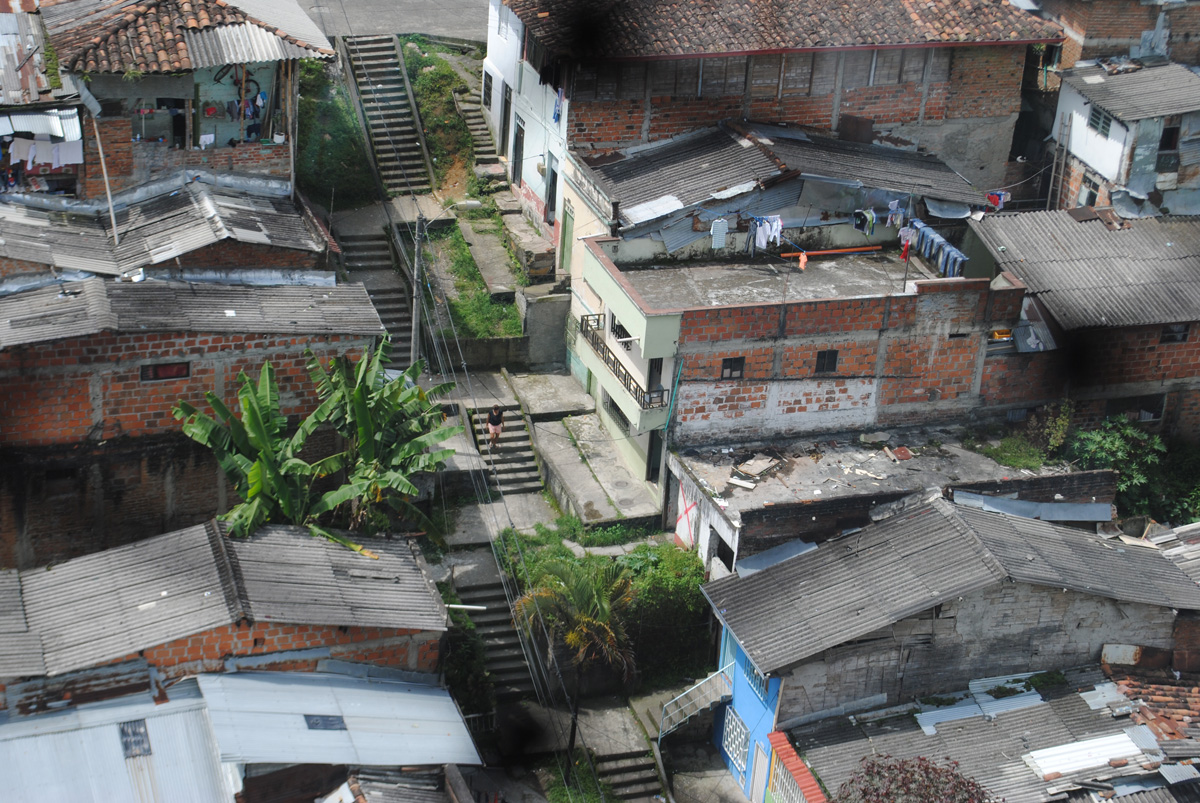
{"x": 416, "y": 299}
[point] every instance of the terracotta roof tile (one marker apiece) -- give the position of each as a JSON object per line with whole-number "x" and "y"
{"x": 1170, "y": 705}
{"x": 656, "y": 28}
{"x": 146, "y": 37}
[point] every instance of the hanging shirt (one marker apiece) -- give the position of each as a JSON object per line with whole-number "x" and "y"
{"x": 774, "y": 229}
{"x": 762, "y": 234}
{"x": 718, "y": 229}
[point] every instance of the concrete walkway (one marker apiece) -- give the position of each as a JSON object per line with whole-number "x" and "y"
{"x": 374, "y": 218}
{"x": 606, "y": 726}
{"x": 627, "y": 493}
{"x": 491, "y": 257}
{"x": 551, "y": 397}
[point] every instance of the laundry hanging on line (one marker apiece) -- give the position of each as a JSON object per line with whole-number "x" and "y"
{"x": 932, "y": 246}
{"x": 769, "y": 230}
{"x": 718, "y": 229}
{"x": 863, "y": 220}
{"x": 895, "y": 218}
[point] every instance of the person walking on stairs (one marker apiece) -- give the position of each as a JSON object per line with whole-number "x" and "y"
{"x": 495, "y": 423}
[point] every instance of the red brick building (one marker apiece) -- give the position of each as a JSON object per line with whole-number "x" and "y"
{"x": 1113, "y": 312}
{"x": 1094, "y": 28}
{"x": 93, "y": 456}
{"x": 195, "y": 601}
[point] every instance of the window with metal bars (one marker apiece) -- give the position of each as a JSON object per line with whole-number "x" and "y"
{"x": 783, "y": 785}
{"x": 736, "y": 739}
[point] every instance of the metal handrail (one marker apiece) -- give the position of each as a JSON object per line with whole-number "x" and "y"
{"x": 695, "y": 701}
{"x": 592, "y": 328}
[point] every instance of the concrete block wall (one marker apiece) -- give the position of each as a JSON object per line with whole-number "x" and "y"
{"x": 80, "y": 389}
{"x": 1008, "y": 627}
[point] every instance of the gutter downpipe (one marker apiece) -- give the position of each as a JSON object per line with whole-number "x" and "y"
{"x": 107, "y": 189}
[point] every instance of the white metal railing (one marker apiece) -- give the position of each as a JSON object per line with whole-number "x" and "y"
{"x": 704, "y": 694}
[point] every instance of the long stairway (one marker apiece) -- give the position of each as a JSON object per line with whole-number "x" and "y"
{"x": 481, "y": 137}
{"x": 389, "y": 111}
{"x": 632, "y": 776}
{"x": 505, "y": 661}
{"x": 511, "y": 465}
{"x": 368, "y": 259}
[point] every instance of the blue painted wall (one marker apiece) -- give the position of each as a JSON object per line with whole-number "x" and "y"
{"x": 757, "y": 713}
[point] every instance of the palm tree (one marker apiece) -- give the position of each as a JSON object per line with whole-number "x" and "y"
{"x": 583, "y": 604}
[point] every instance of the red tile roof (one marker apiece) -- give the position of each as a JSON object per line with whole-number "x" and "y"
{"x": 796, "y": 766}
{"x": 141, "y": 35}
{"x": 1170, "y": 705}
{"x": 657, "y": 28}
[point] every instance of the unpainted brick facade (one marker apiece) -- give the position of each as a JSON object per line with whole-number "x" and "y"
{"x": 132, "y": 163}
{"x": 92, "y": 454}
{"x": 1008, "y": 627}
{"x": 899, "y": 359}
{"x": 1111, "y": 27}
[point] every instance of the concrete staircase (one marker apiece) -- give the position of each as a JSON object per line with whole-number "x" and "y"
{"x": 632, "y": 776}
{"x": 513, "y": 469}
{"x": 390, "y": 113}
{"x": 368, "y": 259}
{"x": 471, "y": 111}
{"x": 505, "y": 661}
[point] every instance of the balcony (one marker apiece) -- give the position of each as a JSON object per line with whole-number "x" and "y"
{"x": 592, "y": 328}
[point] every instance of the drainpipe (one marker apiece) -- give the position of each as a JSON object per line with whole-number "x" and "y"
{"x": 112, "y": 215}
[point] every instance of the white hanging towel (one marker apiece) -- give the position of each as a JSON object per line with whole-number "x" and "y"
{"x": 775, "y": 229}
{"x": 718, "y": 230}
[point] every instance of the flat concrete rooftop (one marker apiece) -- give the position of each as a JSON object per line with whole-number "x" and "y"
{"x": 719, "y": 284}
{"x": 837, "y": 465}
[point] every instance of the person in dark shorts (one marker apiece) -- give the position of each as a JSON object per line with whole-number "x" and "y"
{"x": 495, "y": 423}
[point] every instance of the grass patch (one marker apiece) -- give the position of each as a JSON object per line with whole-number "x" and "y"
{"x": 331, "y": 156}
{"x": 1046, "y": 680}
{"x": 475, "y": 312}
{"x": 433, "y": 83}
{"x": 1016, "y": 451}
{"x": 584, "y": 787}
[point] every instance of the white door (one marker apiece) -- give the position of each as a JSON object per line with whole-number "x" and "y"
{"x": 758, "y": 779}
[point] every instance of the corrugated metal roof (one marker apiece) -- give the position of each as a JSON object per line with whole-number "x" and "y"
{"x": 876, "y": 166}
{"x": 304, "y": 581}
{"x": 110, "y": 604}
{"x": 1149, "y": 92}
{"x": 393, "y": 786}
{"x": 152, "y": 230}
{"x": 1046, "y": 511}
{"x": 22, "y": 654}
{"x": 242, "y": 43}
{"x": 77, "y": 756}
{"x": 1090, "y": 276}
{"x": 258, "y": 717}
{"x": 690, "y": 168}
{"x": 1083, "y": 755}
{"x": 906, "y": 564}
{"x": 98, "y": 305}
{"x": 23, "y": 78}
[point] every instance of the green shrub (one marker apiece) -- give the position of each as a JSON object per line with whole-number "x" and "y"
{"x": 668, "y": 622}
{"x": 331, "y": 156}
{"x": 433, "y": 83}
{"x": 1016, "y": 451}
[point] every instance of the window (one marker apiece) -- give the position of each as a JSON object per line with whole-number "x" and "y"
{"x": 618, "y": 417}
{"x": 1174, "y": 333}
{"x": 724, "y": 552}
{"x": 135, "y": 739}
{"x": 1138, "y": 408}
{"x": 827, "y": 361}
{"x": 621, "y": 334}
{"x": 757, "y": 681}
{"x": 736, "y": 739}
{"x": 167, "y": 370}
{"x": 324, "y": 722}
{"x": 487, "y": 89}
{"x": 1100, "y": 121}
{"x": 1089, "y": 191}
{"x": 1168, "y": 146}
{"x": 733, "y": 367}
{"x": 783, "y": 784}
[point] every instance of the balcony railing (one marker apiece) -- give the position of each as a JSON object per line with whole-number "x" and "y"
{"x": 592, "y": 328}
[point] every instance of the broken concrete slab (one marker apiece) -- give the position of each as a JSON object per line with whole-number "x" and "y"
{"x": 491, "y": 257}
{"x": 551, "y": 397}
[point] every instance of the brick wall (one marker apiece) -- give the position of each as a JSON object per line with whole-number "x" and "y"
{"x": 814, "y": 520}
{"x": 984, "y": 82}
{"x": 399, "y": 648}
{"x": 80, "y": 389}
{"x": 1014, "y": 378}
{"x": 1111, "y": 27}
{"x": 1078, "y": 486}
{"x": 1071, "y": 181}
{"x": 132, "y": 163}
{"x": 897, "y": 356}
{"x": 1009, "y": 627}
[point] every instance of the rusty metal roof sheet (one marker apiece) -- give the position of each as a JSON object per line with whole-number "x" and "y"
{"x": 97, "y": 305}
{"x": 1090, "y": 276}
{"x": 23, "y": 76}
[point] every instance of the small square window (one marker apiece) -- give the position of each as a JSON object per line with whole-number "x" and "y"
{"x": 1174, "y": 333}
{"x": 827, "y": 361}
{"x": 487, "y": 89}
{"x": 733, "y": 367}
{"x": 135, "y": 739}
{"x": 168, "y": 370}
{"x": 1100, "y": 121}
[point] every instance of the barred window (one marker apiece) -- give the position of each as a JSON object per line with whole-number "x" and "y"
{"x": 783, "y": 785}
{"x": 736, "y": 739}
{"x": 757, "y": 680}
{"x": 618, "y": 417}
